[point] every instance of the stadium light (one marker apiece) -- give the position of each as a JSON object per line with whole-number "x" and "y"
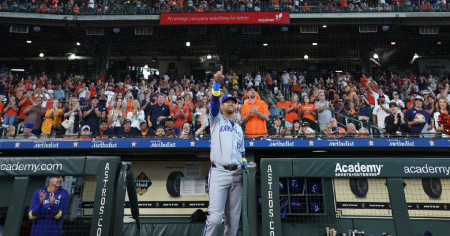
{"x": 314, "y": 44}
{"x": 17, "y": 69}
{"x": 188, "y": 44}
{"x": 375, "y": 56}
{"x": 29, "y": 41}
{"x": 209, "y": 56}
{"x": 393, "y": 43}
{"x": 265, "y": 44}
{"x": 146, "y": 67}
{"x": 324, "y": 26}
{"x": 116, "y": 30}
{"x": 73, "y": 56}
{"x": 306, "y": 56}
{"x": 339, "y": 71}
{"x": 439, "y": 43}
{"x": 41, "y": 54}
{"x": 78, "y": 43}
{"x": 154, "y": 59}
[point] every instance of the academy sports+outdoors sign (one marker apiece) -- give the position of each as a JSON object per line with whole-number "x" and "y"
{"x": 224, "y": 18}
{"x": 365, "y": 167}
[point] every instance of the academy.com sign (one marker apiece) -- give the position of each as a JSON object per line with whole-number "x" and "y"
{"x": 427, "y": 169}
{"x": 357, "y": 170}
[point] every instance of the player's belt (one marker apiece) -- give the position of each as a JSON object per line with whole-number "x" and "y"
{"x": 230, "y": 167}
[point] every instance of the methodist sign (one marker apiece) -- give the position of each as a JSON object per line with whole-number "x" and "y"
{"x": 224, "y": 18}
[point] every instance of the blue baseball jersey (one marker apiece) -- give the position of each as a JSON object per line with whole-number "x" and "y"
{"x": 227, "y": 137}
{"x": 47, "y": 219}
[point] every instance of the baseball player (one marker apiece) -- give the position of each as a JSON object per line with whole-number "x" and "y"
{"x": 48, "y": 208}
{"x": 227, "y": 159}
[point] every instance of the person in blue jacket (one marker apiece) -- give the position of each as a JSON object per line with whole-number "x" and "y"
{"x": 48, "y": 208}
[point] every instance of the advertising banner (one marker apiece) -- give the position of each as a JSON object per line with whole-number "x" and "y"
{"x": 224, "y": 18}
{"x": 35, "y": 166}
{"x": 434, "y": 66}
{"x": 372, "y": 168}
{"x": 114, "y": 143}
{"x": 369, "y": 198}
{"x": 159, "y": 185}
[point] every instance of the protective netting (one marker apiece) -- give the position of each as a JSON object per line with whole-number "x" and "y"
{"x": 286, "y": 63}
{"x": 53, "y": 206}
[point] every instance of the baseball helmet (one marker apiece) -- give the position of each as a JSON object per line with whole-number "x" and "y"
{"x": 314, "y": 187}
{"x": 314, "y": 206}
{"x": 294, "y": 186}
{"x": 296, "y": 205}
{"x": 281, "y": 186}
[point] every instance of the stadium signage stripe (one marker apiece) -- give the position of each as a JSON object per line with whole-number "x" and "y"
{"x": 267, "y": 143}
{"x": 224, "y": 18}
{"x": 159, "y": 204}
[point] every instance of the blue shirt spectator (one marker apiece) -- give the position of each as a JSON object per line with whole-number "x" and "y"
{"x": 274, "y": 110}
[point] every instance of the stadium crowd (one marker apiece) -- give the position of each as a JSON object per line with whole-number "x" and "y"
{"x": 278, "y": 105}
{"x": 90, "y": 7}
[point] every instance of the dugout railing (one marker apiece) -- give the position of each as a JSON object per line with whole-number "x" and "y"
{"x": 113, "y": 180}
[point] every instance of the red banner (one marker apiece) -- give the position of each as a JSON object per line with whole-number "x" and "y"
{"x": 224, "y": 18}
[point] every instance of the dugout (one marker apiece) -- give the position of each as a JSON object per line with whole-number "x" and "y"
{"x": 164, "y": 212}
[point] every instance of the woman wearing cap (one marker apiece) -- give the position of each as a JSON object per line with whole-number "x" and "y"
{"x": 443, "y": 107}
{"x": 116, "y": 116}
{"x": 136, "y": 115}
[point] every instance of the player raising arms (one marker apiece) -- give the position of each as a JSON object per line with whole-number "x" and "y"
{"x": 227, "y": 156}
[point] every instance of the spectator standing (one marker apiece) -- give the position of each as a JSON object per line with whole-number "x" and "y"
{"x": 158, "y": 113}
{"x": 380, "y": 112}
{"x": 146, "y": 104}
{"x": 292, "y": 111}
{"x": 73, "y": 115}
{"x": 442, "y": 108}
{"x": 34, "y": 114}
{"x": 308, "y": 112}
{"x": 116, "y": 115}
{"x": 59, "y": 92}
{"x": 395, "y": 121}
{"x": 91, "y": 114}
{"x": 52, "y": 122}
{"x": 179, "y": 113}
{"x": 324, "y": 109}
{"x": 136, "y": 115}
{"x": 255, "y": 114}
{"x": 10, "y": 112}
{"x": 417, "y": 117}
{"x": 26, "y": 101}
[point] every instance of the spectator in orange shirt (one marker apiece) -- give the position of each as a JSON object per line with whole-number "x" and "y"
{"x": 26, "y": 101}
{"x": 255, "y": 114}
{"x": 308, "y": 112}
{"x": 306, "y": 7}
{"x": 291, "y": 111}
{"x": 282, "y": 104}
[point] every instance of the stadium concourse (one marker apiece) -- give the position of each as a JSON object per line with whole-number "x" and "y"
{"x": 337, "y": 105}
